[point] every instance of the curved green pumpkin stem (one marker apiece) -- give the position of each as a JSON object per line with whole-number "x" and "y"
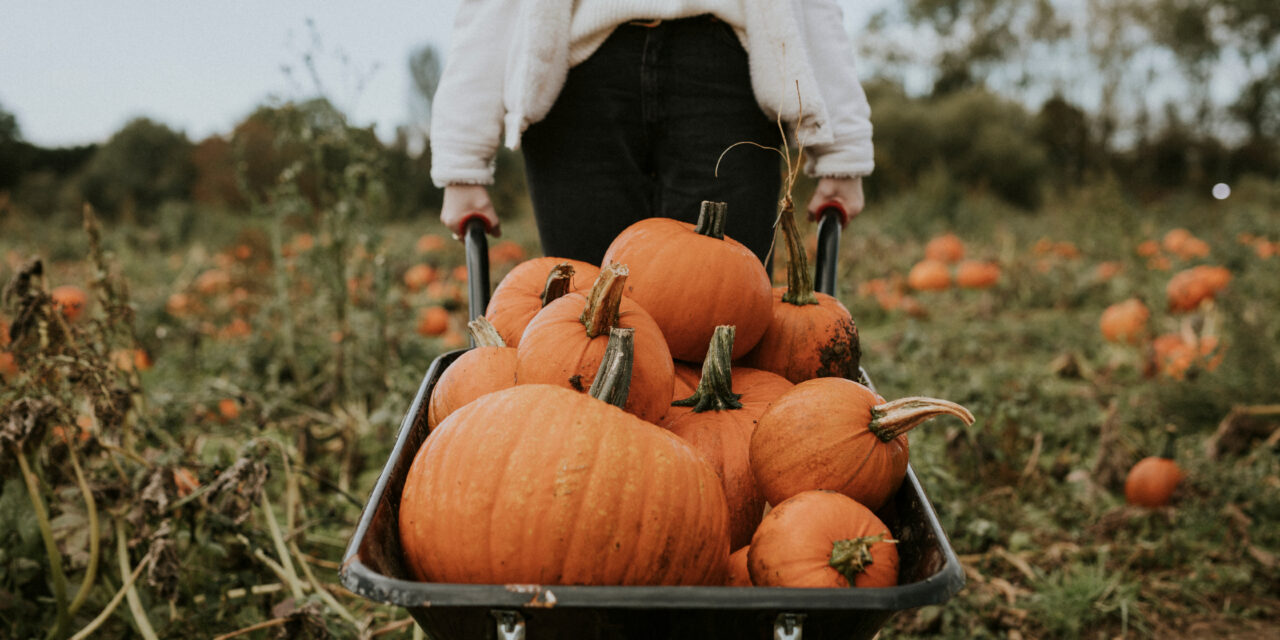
{"x": 715, "y": 388}
{"x": 484, "y": 334}
{"x": 613, "y": 378}
{"x": 711, "y": 219}
{"x": 559, "y": 282}
{"x": 892, "y": 419}
{"x": 604, "y": 303}
{"x": 851, "y": 557}
{"x": 799, "y": 281}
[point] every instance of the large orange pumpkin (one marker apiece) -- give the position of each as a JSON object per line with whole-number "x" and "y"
{"x": 538, "y": 484}
{"x": 810, "y": 334}
{"x": 832, "y": 433}
{"x": 693, "y": 278}
{"x": 822, "y": 539}
{"x": 564, "y": 342}
{"x": 489, "y": 367}
{"x": 722, "y": 413}
{"x": 529, "y": 287}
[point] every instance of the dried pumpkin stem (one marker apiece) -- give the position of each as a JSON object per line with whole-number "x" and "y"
{"x": 613, "y": 378}
{"x": 851, "y": 557}
{"x": 711, "y": 219}
{"x": 604, "y": 303}
{"x": 715, "y": 388}
{"x": 559, "y": 282}
{"x": 484, "y": 334}
{"x": 799, "y": 280}
{"x": 892, "y": 419}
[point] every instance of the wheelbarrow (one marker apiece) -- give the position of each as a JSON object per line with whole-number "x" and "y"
{"x": 374, "y": 568}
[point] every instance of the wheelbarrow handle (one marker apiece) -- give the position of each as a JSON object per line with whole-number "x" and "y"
{"x": 477, "y": 246}
{"x": 831, "y": 217}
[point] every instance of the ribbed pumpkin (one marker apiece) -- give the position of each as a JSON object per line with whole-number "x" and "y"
{"x": 832, "y": 433}
{"x": 693, "y": 278}
{"x": 538, "y": 484}
{"x": 822, "y": 539}
{"x": 720, "y": 417}
{"x": 489, "y": 367}
{"x": 810, "y": 334}
{"x": 564, "y": 342}
{"x": 529, "y": 287}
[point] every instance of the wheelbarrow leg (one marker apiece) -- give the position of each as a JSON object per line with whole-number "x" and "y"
{"x": 788, "y": 626}
{"x": 510, "y": 624}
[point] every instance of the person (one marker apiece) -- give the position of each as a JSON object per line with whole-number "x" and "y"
{"x": 632, "y": 109}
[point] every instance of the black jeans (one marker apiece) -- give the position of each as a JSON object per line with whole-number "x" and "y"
{"x": 636, "y": 133}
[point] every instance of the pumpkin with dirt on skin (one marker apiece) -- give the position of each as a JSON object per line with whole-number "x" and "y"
{"x": 810, "y": 334}
{"x": 822, "y": 539}
{"x": 692, "y": 278}
{"x": 836, "y": 434}
{"x": 489, "y": 367}
{"x": 588, "y": 494}
{"x": 530, "y": 286}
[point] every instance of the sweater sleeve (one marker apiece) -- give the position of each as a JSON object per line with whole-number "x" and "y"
{"x": 467, "y": 110}
{"x": 831, "y": 56}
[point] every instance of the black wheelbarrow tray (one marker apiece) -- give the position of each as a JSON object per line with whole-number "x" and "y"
{"x": 373, "y": 566}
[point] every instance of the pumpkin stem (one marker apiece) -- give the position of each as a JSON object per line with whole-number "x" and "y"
{"x": 715, "y": 388}
{"x": 484, "y": 334}
{"x": 559, "y": 282}
{"x": 892, "y": 419}
{"x": 605, "y": 300}
{"x": 711, "y": 219}
{"x": 613, "y": 378}
{"x": 851, "y": 557}
{"x": 1170, "y": 434}
{"x": 799, "y": 280}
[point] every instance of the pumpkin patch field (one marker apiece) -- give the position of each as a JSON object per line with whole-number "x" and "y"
{"x": 193, "y": 413}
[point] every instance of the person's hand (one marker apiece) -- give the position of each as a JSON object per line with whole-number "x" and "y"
{"x": 846, "y": 192}
{"x": 464, "y": 201}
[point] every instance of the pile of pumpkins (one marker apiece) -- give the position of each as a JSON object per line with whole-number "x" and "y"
{"x": 668, "y": 419}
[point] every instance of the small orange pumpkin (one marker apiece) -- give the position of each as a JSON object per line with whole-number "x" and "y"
{"x": 947, "y": 248}
{"x": 1152, "y": 481}
{"x": 810, "y": 334}
{"x": 977, "y": 274}
{"x": 739, "y": 575}
{"x": 530, "y": 286}
{"x": 70, "y": 301}
{"x": 822, "y": 539}
{"x": 419, "y": 276}
{"x": 1125, "y": 321}
{"x": 489, "y": 367}
{"x": 832, "y": 433}
{"x": 1189, "y": 288}
{"x": 433, "y": 321}
{"x": 929, "y": 275}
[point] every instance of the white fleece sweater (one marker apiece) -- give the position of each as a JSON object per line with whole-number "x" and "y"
{"x": 509, "y": 60}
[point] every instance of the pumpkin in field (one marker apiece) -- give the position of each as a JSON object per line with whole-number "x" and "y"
{"x": 1173, "y": 354}
{"x": 419, "y": 276}
{"x": 565, "y": 341}
{"x": 718, "y": 419}
{"x": 832, "y": 433}
{"x": 433, "y": 321}
{"x": 947, "y": 248}
{"x": 587, "y": 493}
{"x": 1189, "y": 288}
{"x": 1125, "y": 321}
{"x": 929, "y": 275}
{"x": 810, "y": 334}
{"x": 490, "y": 366}
{"x": 1152, "y": 481}
{"x": 822, "y": 539}
{"x": 977, "y": 274}
{"x": 530, "y": 286}
{"x": 693, "y": 278}
{"x": 70, "y": 301}
{"x": 8, "y": 366}
{"x": 738, "y": 575}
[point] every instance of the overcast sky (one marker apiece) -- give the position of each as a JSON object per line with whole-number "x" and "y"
{"x": 75, "y": 71}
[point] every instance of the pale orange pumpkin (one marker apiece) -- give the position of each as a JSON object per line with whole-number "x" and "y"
{"x": 822, "y": 539}
{"x": 693, "y": 278}
{"x": 489, "y": 367}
